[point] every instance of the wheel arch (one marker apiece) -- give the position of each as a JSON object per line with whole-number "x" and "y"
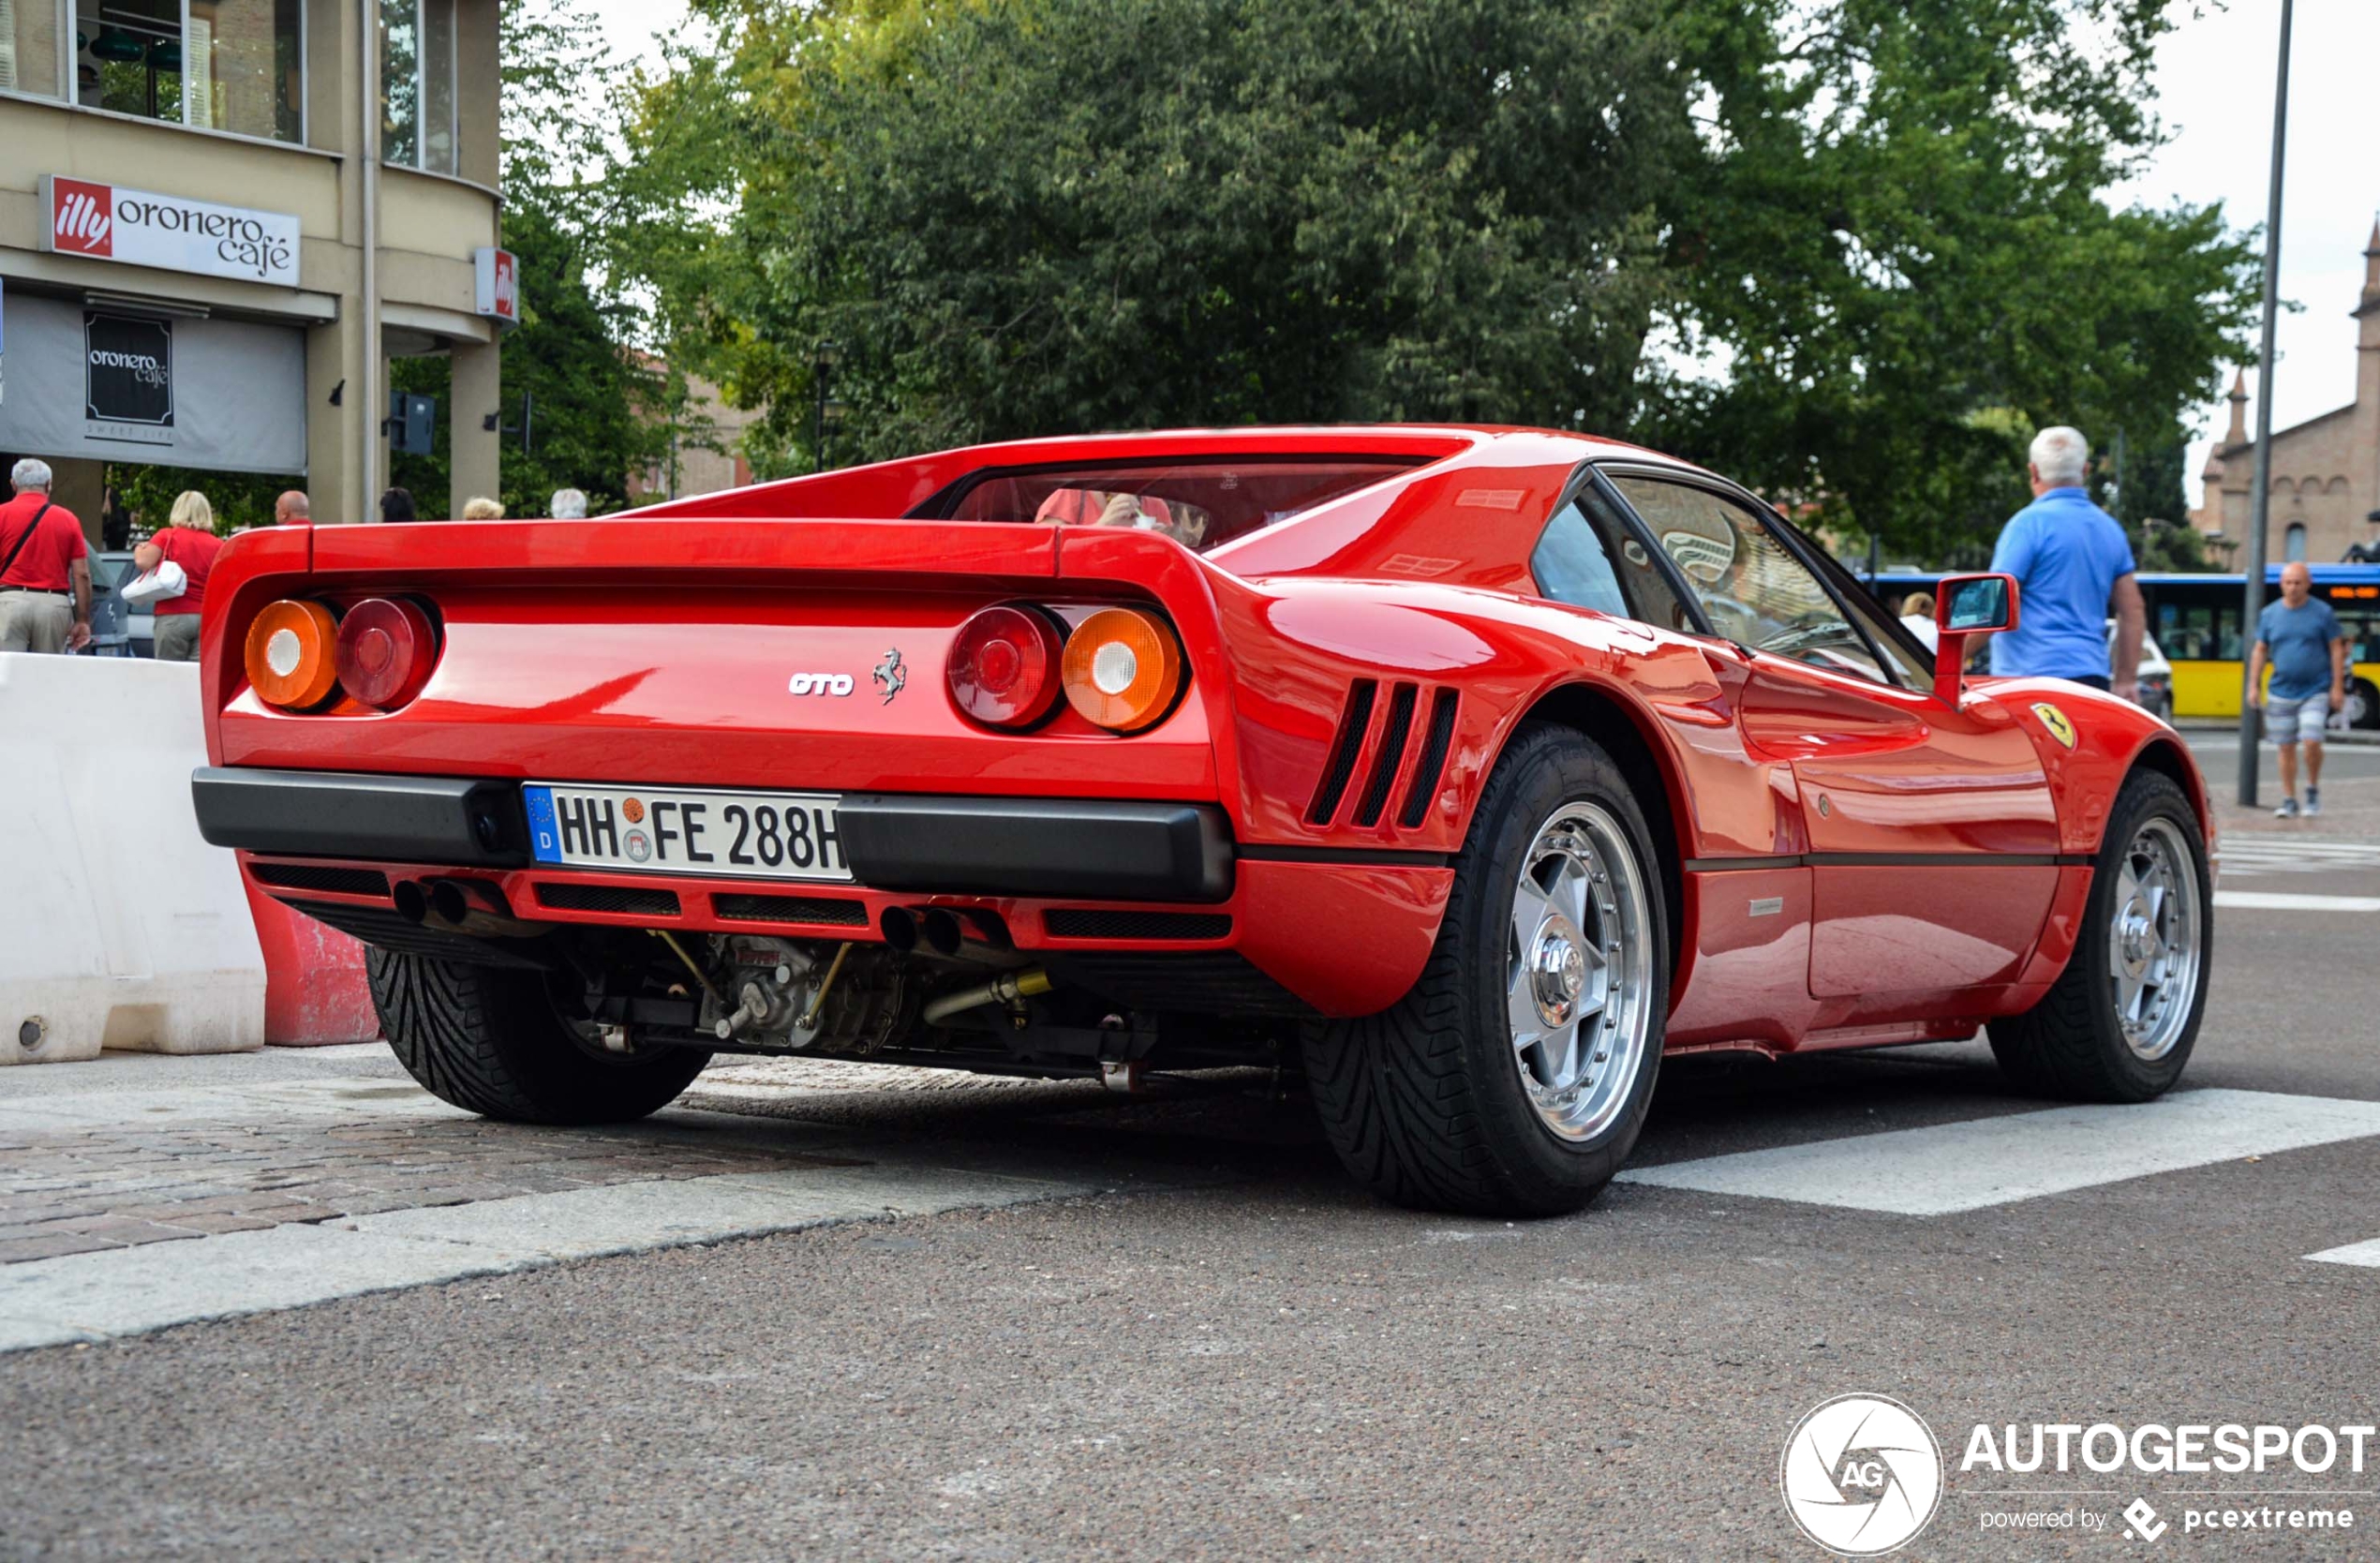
{"x": 1629, "y": 735}
{"x": 2164, "y": 755}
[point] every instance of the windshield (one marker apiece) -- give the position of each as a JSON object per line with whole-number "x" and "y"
{"x": 1199, "y": 504}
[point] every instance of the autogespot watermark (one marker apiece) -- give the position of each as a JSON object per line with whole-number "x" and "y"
{"x": 1863, "y": 1475}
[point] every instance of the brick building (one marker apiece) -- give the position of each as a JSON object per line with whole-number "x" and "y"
{"x": 2326, "y": 471}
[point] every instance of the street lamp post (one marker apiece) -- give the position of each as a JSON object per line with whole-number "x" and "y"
{"x": 2253, "y": 597}
{"x": 822, "y": 368}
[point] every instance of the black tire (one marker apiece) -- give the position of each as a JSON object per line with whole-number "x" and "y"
{"x": 2070, "y": 1045}
{"x": 2363, "y": 704}
{"x": 1423, "y": 1101}
{"x": 489, "y": 1040}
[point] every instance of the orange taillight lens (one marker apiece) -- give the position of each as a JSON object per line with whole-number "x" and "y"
{"x": 1123, "y": 668}
{"x": 292, "y": 654}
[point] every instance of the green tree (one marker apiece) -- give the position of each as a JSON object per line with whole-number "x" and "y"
{"x": 570, "y": 355}
{"x": 1852, "y": 251}
{"x": 1903, "y": 233}
{"x": 1097, "y": 214}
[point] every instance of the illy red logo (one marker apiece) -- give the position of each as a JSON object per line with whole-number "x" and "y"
{"x": 507, "y": 286}
{"x": 81, "y": 216}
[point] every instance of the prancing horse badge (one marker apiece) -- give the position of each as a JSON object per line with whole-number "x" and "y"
{"x": 890, "y": 675}
{"x": 2055, "y": 720}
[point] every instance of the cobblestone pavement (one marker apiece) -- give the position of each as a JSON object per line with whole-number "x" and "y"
{"x": 77, "y": 1190}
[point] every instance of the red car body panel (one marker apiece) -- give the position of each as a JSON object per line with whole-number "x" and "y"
{"x": 1852, "y": 863}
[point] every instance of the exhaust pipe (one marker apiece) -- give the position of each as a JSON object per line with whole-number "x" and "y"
{"x": 900, "y": 929}
{"x": 447, "y": 903}
{"x": 411, "y": 905}
{"x": 941, "y": 931}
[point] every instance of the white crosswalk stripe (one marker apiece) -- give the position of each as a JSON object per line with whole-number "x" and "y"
{"x": 2364, "y": 1254}
{"x": 2257, "y": 855}
{"x": 1996, "y": 1161}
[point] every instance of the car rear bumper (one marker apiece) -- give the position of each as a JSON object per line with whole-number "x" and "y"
{"x": 1106, "y": 849}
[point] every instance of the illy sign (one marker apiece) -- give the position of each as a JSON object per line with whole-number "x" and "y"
{"x": 498, "y": 276}
{"x": 139, "y": 228}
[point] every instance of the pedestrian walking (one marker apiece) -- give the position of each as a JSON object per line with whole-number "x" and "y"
{"x": 292, "y": 509}
{"x": 397, "y": 505}
{"x": 1917, "y": 616}
{"x": 2072, "y": 564}
{"x": 2300, "y": 637}
{"x": 478, "y": 507}
{"x": 45, "y": 568}
{"x": 568, "y": 504}
{"x": 188, "y": 541}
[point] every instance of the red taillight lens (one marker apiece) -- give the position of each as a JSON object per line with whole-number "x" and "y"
{"x": 1004, "y": 667}
{"x": 386, "y": 649}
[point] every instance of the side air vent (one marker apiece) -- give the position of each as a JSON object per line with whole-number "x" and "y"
{"x": 1354, "y": 722}
{"x": 1432, "y": 764}
{"x": 609, "y": 898}
{"x": 1083, "y": 922}
{"x": 790, "y": 909}
{"x": 1393, "y": 734}
{"x": 322, "y": 876}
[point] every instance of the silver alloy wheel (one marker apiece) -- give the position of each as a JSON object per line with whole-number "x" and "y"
{"x": 1579, "y": 970}
{"x": 2156, "y": 940}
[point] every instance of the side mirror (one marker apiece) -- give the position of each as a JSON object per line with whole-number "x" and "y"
{"x": 1965, "y": 606}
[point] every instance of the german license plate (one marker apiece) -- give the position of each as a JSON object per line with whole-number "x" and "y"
{"x": 687, "y": 831}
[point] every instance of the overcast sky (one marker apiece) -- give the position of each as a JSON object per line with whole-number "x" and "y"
{"x": 2215, "y": 82}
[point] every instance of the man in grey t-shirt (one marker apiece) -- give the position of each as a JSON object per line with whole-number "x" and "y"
{"x": 2300, "y": 637}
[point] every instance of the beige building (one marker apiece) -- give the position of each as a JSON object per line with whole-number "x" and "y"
{"x": 704, "y": 453}
{"x": 220, "y": 218}
{"x": 2326, "y": 471}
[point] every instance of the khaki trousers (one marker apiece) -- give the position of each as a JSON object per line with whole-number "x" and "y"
{"x": 176, "y": 638}
{"x": 34, "y": 622}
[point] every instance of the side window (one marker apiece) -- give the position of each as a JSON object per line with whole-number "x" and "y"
{"x": 1754, "y": 590}
{"x": 1586, "y": 558}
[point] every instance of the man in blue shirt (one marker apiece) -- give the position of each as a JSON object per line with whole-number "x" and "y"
{"x": 2301, "y": 637}
{"x": 2071, "y": 563}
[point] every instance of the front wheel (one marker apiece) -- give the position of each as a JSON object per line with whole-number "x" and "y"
{"x": 1515, "y": 1077}
{"x": 2119, "y": 1024}
{"x": 2363, "y": 704}
{"x": 491, "y": 1040}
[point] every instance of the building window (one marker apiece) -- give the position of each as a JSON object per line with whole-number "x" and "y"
{"x": 220, "y": 65}
{"x": 29, "y": 47}
{"x": 2293, "y": 545}
{"x": 417, "y": 84}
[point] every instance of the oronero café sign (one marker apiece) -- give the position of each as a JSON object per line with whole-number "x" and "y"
{"x": 139, "y": 228}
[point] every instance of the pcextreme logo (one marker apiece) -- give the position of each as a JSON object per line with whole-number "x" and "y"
{"x": 1861, "y": 1475}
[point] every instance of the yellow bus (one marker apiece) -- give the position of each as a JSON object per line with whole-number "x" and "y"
{"x": 2196, "y": 621}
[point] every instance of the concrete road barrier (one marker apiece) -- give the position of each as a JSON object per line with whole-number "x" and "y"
{"x": 119, "y": 927}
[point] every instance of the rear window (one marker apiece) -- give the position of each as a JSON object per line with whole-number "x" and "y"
{"x": 1199, "y": 503}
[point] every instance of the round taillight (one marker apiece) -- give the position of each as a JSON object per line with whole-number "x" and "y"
{"x": 1122, "y": 669}
{"x": 386, "y": 648}
{"x": 289, "y": 654}
{"x": 1004, "y": 667}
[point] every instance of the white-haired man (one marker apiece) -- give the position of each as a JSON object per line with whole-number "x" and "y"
{"x": 568, "y": 504}
{"x": 45, "y": 568}
{"x": 2072, "y": 564}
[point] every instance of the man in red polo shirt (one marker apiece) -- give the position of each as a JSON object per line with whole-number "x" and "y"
{"x": 189, "y": 541}
{"x": 45, "y": 568}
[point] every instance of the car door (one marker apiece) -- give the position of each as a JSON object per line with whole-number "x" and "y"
{"x": 1932, "y": 832}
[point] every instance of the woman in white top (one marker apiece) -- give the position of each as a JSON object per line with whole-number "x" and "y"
{"x": 1917, "y": 612}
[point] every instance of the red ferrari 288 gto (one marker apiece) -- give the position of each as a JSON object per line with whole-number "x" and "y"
{"x": 1465, "y": 772}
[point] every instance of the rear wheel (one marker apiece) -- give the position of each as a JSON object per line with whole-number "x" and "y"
{"x": 491, "y": 1040}
{"x": 2119, "y": 1024}
{"x": 1515, "y": 1077}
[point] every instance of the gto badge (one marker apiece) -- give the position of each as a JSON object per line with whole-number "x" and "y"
{"x": 2055, "y": 720}
{"x": 890, "y": 675}
{"x": 822, "y": 683}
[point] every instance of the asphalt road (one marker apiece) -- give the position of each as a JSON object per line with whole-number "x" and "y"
{"x": 1170, "y": 1328}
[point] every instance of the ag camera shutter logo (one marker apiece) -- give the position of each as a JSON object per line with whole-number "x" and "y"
{"x": 1861, "y": 1475}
